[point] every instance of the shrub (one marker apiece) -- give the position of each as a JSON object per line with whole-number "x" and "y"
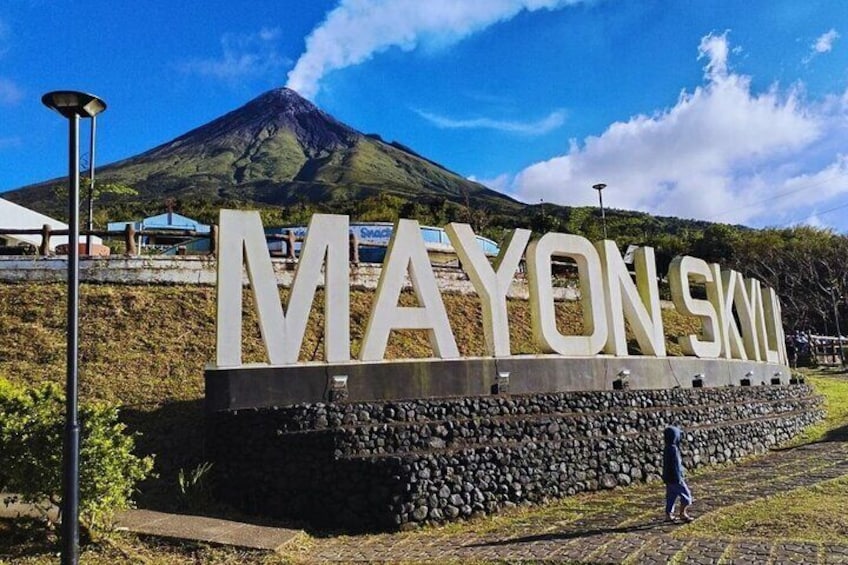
{"x": 194, "y": 487}
{"x": 31, "y": 434}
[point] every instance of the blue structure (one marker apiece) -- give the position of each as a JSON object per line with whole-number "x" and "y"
{"x": 374, "y": 238}
{"x": 169, "y": 221}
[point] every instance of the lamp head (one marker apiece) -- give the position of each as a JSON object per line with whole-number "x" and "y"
{"x": 71, "y": 103}
{"x": 599, "y": 187}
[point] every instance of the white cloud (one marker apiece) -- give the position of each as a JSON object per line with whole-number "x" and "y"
{"x": 10, "y": 93}
{"x": 824, "y": 43}
{"x": 539, "y": 127}
{"x": 715, "y": 49}
{"x": 357, "y": 29}
{"x": 721, "y": 152}
{"x": 243, "y": 56}
{"x": 501, "y": 183}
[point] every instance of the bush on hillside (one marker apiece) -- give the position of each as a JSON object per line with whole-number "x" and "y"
{"x": 31, "y": 434}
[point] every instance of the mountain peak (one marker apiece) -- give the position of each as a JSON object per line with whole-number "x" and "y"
{"x": 276, "y": 112}
{"x": 280, "y": 102}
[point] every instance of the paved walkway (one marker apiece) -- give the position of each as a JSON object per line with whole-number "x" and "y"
{"x": 635, "y": 533}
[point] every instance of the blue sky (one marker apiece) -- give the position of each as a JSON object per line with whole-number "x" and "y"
{"x": 708, "y": 109}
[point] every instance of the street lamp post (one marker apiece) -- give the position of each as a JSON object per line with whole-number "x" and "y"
{"x": 600, "y": 187}
{"x": 72, "y": 105}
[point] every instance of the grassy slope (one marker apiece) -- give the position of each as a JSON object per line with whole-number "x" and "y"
{"x": 149, "y": 344}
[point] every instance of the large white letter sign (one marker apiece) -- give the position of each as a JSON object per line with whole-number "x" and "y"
{"x": 407, "y": 253}
{"x": 745, "y": 311}
{"x": 542, "y": 309}
{"x": 769, "y": 352}
{"x": 328, "y": 236}
{"x": 680, "y": 272}
{"x": 641, "y": 306}
{"x": 241, "y": 238}
{"x": 774, "y": 326}
{"x": 732, "y": 345}
{"x": 491, "y": 284}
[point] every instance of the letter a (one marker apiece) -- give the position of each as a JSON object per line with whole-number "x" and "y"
{"x": 407, "y": 253}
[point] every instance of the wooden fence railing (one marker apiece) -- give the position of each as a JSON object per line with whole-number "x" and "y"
{"x": 130, "y": 236}
{"x": 828, "y": 350}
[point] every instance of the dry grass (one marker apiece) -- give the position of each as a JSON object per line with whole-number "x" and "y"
{"x": 815, "y": 514}
{"x": 30, "y": 544}
{"x": 148, "y": 345}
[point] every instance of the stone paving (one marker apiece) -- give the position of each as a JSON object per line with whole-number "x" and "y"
{"x": 636, "y": 533}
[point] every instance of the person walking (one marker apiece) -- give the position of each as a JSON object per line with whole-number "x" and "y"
{"x": 673, "y": 477}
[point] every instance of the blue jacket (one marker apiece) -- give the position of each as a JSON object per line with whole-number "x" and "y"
{"x": 672, "y": 462}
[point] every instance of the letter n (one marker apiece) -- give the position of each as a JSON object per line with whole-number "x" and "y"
{"x": 640, "y": 304}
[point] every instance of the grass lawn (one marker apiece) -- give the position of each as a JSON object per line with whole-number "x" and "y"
{"x": 807, "y": 514}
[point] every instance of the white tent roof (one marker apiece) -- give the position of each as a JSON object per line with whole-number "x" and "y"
{"x": 15, "y": 216}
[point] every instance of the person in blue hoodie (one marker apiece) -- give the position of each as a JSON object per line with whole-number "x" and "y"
{"x": 675, "y": 484}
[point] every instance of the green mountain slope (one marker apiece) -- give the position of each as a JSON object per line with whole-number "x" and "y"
{"x": 279, "y": 149}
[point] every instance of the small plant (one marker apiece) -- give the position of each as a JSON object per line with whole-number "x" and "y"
{"x": 194, "y": 488}
{"x": 31, "y": 434}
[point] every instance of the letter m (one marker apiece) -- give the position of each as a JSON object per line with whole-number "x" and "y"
{"x": 241, "y": 241}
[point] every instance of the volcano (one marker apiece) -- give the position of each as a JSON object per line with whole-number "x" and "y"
{"x": 280, "y": 149}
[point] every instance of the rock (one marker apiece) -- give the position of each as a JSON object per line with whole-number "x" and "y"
{"x": 420, "y": 513}
{"x": 608, "y": 481}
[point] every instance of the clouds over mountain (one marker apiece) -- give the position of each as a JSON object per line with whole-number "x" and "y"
{"x": 356, "y": 30}
{"x": 722, "y": 152}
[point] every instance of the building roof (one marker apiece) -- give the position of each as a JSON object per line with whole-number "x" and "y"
{"x": 15, "y": 216}
{"x": 166, "y": 221}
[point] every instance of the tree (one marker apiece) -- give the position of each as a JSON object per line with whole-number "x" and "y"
{"x": 802, "y": 264}
{"x": 93, "y": 193}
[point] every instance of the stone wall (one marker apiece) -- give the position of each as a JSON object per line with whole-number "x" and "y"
{"x": 394, "y": 464}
